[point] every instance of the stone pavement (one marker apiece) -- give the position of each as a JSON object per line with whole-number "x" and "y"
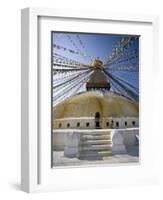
{"x": 131, "y": 157}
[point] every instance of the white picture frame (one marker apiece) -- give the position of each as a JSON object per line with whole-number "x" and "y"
{"x": 36, "y": 172}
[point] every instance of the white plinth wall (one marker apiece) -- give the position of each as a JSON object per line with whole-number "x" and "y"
{"x": 115, "y": 141}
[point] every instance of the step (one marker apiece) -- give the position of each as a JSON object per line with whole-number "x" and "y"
{"x": 87, "y": 142}
{"x": 95, "y": 147}
{"x": 95, "y": 154}
{"x": 95, "y": 137}
{"x": 96, "y": 133}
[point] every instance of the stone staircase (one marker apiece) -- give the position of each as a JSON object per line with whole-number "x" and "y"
{"x": 94, "y": 145}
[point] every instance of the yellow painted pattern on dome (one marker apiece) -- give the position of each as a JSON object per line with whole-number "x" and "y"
{"x": 87, "y": 104}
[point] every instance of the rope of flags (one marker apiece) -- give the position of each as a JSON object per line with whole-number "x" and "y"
{"x": 129, "y": 92}
{"x": 136, "y": 89}
{"x": 73, "y": 43}
{"x": 59, "y": 59}
{"x": 59, "y": 47}
{"x": 130, "y": 67}
{"x": 77, "y": 49}
{"x": 121, "y": 46}
{"x": 69, "y": 87}
{"x": 67, "y": 70}
{"x": 124, "y": 58}
{"x": 80, "y": 41}
{"x": 63, "y": 76}
{"x": 82, "y": 44}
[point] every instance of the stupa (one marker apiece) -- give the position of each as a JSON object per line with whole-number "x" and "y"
{"x": 97, "y": 122}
